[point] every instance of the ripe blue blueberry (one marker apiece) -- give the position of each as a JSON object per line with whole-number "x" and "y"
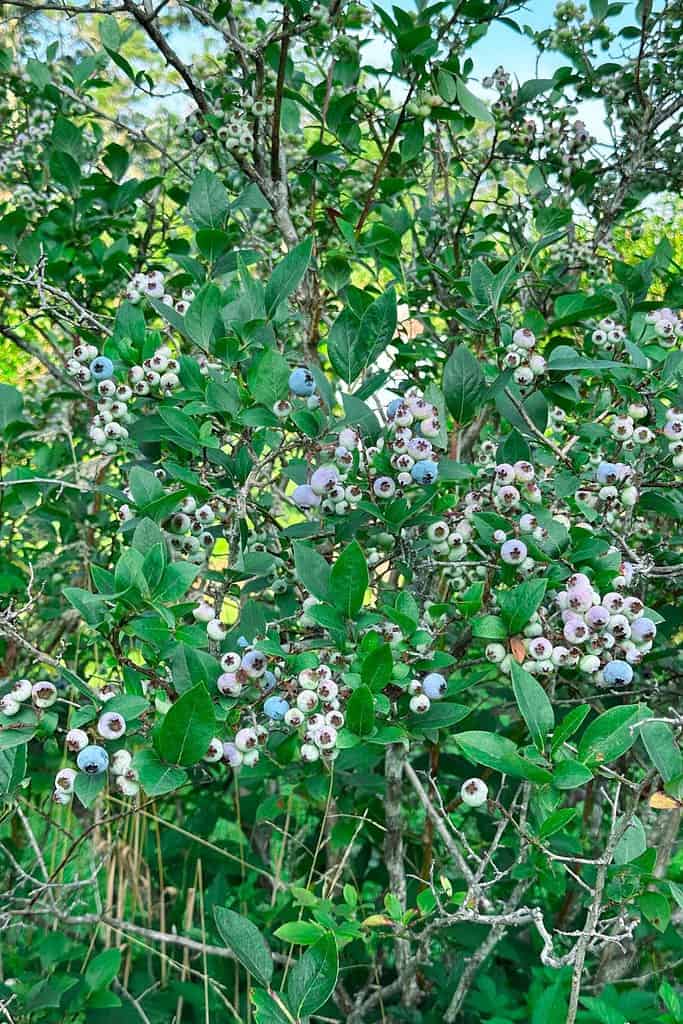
{"x": 302, "y": 382}
{"x": 268, "y": 681}
{"x": 393, "y": 407}
{"x": 275, "y": 708}
{"x": 101, "y": 368}
{"x": 607, "y": 473}
{"x": 617, "y": 673}
{"x": 425, "y": 472}
{"x": 434, "y": 685}
{"x": 93, "y": 759}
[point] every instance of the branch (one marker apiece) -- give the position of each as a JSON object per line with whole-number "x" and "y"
{"x": 394, "y": 852}
{"x": 275, "y": 169}
{"x": 172, "y": 58}
{"x": 434, "y": 815}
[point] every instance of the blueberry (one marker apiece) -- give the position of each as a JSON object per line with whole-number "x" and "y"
{"x": 268, "y": 681}
{"x": 513, "y": 552}
{"x": 617, "y": 673}
{"x": 305, "y": 497}
{"x": 392, "y": 407}
{"x": 254, "y": 663}
{"x": 434, "y": 685}
{"x": 242, "y": 641}
{"x": 275, "y": 708}
{"x": 101, "y": 368}
{"x": 302, "y": 382}
{"x": 607, "y": 473}
{"x": 93, "y": 759}
{"x": 198, "y": 136}
{"x": 425, "y": 472}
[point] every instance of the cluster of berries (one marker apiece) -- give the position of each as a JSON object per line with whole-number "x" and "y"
{"x": 187, "y": 534}
{"x": 673, "y": 432}
{"x": 405, "y": 450}
{"x": 157, "y": 374}
{"x": 602, "y": 636}
{"x": 423, "y": 692}
{"x": 608, "y": 334}
{"x": 93, "y": 759}
{"x": 667, "y": 326}
{"x": 94, "y": 371}
{"x": 522, "y": 358}
{"x": 450, "y": 542}
{"x": 311, "y": 704}
{"x": 187, "y": 531}
{"x": 151, "y": 284}
{"x": 615, "y": 488}
{"x": 42, "y": 694}
{"x": 301, "y": 384}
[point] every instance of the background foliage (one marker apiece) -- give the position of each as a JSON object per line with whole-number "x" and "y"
{"x": 345, "y": 191}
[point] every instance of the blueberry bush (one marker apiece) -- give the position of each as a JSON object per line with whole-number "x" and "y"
{"x": 340, "y": 499}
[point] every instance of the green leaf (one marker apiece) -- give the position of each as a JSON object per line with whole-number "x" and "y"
{"x": 360, "y": 711}
{"x": 92, "y": 608}
{"x": 440, "y": 715}
{"x": 609, "y": 735}
{"x": 246, "y": 942}
{"x": 463, "y": 385}
{"x": 358, "y": 414}
{"x": 190, "y": 666}
{"x": 300, "y": 933}
{"x": 633, "y": 842}
{"x": 568, "y": 726}
{"x": 564, "y": 358}
{"x": 11, "y": 405}
{"x": 312, "y": 570}
{"x": 349, "y": 580}
{"x": 556, "y": 821}
{"x": 378, "y": 325}
{"x": 268, "y": 378}
{"x": 313, "y": 979}
{"x": 128, "y": 572}
{"x": 12, "y": 768}
{"x": 344, "y": 348}
{"x": 154, "y": 564}
{"x": 662, "y": 749}
{"x": 571, "y": 774}
{"x": 175, "y": 582}
{"x": 144, "y": 486}
{"x": 519, "y": 604}
{"x": 202, "y": 317}
{"x": 208, "y": 202}
{"x": 534, "y": 704}
{"x": 88, "y": 787}
{"x": 377, "y": 668}
{"x": 471, "y": 104}
{"x": 494, "y": 751}
{"x": 65, "y": 170}
{"x": 267, "y": 1010}
{"x": 489, "y": 627}
{"x": 288, "y": 275}
{"x": 656, "y": 908}
{"x": 15, "y": 730}
{"x": 481, "y": 283}
{"x": 155, "y": 777}
{"x": 188, "y": 727}
{"x": 102, "y": 969}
